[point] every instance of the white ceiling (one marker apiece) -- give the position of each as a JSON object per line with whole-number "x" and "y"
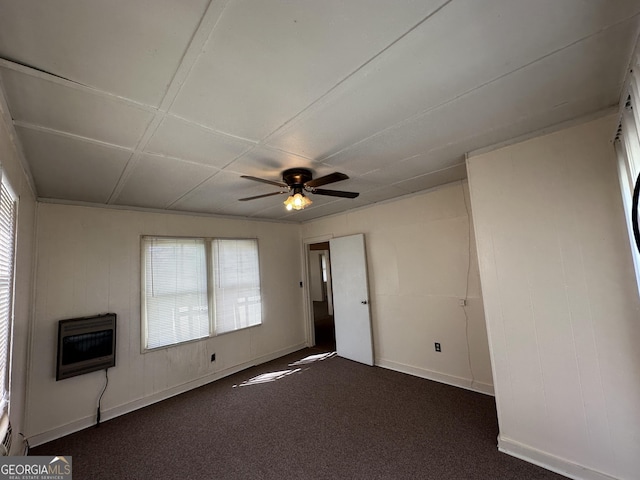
{"x": 165, "y": 103}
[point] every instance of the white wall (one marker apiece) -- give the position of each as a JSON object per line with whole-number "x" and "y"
{"x": 419, "y": 250}
{"x": 13, "y": 172}
{"x": 561, "y": 306}
{"x": 89, "y": 262}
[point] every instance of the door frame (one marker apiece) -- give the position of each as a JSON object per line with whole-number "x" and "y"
{"x": 310, "y": 334}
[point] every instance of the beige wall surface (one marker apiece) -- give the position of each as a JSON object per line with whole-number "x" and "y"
{"x": 561, "y": 304}
{"x": 89, "y": 263}
{"x": 422, "y": 262}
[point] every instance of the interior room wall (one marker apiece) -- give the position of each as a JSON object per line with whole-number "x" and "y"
{"x": 89, "y": 262}
{"x": 422, "y": 261}
{"x": 12, "y": 170}
{"x": 561, "y": 304}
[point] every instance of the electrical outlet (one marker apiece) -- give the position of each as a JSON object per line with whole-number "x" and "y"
{"x": 213, "y": 357}
{"x": 438, "y": 349}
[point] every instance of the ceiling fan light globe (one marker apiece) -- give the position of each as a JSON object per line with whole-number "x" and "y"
{"x": 297, "y": 202}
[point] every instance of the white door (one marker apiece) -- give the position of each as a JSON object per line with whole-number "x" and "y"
{"x": 351, "y": 299}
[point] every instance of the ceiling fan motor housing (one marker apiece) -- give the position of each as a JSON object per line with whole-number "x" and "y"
{"x": 296, "y": 177}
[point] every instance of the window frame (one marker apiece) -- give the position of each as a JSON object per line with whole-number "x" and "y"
{"x": 211, "y": 301}
{"x": 5, "y": 389}
{"x": 212, "y": 286}
{"x": 627, "y": 148}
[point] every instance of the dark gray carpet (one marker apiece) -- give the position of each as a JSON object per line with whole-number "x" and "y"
{"x": 331, "y": 419}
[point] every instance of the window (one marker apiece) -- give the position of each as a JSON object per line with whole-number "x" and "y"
{"x": 627, "y": 145}
{"x": 175, "y": 293}
{"x": 7, "y": 251}
{"x": 193, "y": 288}
{"x": 236, "y": 283}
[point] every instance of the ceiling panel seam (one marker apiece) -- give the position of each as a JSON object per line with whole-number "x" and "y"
{"x": 135, "y": 156}
{"x": 418, "y": 115}
{"x": 180, "y": 160}
{"x": 170, "y": 203}
{"x": 301, "y": 114}
{"x": 60, "y": 133}
{"x": 526, "y": 136}
{"x": 36, "y": 69}
{"x": 189, "y": 191}
{"x": 194, "y": 50}
{"x": 42, "y": 75}
{"x": 210, "y": 129}
{"x": 556, "y": 127}
{"x": 252, "y": 143}
{"x": 8, "y": 121}
{"x": 457, "y": 165}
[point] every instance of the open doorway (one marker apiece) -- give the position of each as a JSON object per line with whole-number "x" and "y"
{"x": 320, "y": 292}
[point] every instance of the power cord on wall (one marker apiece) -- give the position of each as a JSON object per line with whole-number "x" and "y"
{"x": 466, "y": 290}
{"x": 106, "y": 383}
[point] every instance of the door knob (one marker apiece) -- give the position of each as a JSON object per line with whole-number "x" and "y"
{"x": 364, "y": 302}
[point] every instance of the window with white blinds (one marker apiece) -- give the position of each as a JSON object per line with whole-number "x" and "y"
{"x": 193, "y": 288}
{"x": 236, "y": 284}
{"x": 627, "y": 145}
{"x": 7, "y": 251}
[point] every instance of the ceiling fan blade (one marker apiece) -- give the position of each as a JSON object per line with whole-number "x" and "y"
{"x": 270, "y": 182}
{"x": 331, "y": 178}
{"x": 334, "y": 193}
{"x": 261, "y": 196}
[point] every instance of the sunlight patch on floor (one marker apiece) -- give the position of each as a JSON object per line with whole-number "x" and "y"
{"x": 268, "y": 377}
{"x": 313, "y": 358}
{"x": 273, "y": 376}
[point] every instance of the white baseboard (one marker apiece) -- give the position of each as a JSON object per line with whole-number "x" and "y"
{"x": 548, "y": 461}
{"x": 465, "y": 383}
{"x": 114, "y": 412}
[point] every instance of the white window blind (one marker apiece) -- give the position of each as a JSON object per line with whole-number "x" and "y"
{"x": 628, "y": 151}
{"x": 236, "y": 284}
{"x": 175, "y": 291}
{"x": 7, "y": 250}
{"x": 195, "y": 287}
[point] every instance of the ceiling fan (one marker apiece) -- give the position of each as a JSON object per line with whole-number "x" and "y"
{"x": 296, "y": 181}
